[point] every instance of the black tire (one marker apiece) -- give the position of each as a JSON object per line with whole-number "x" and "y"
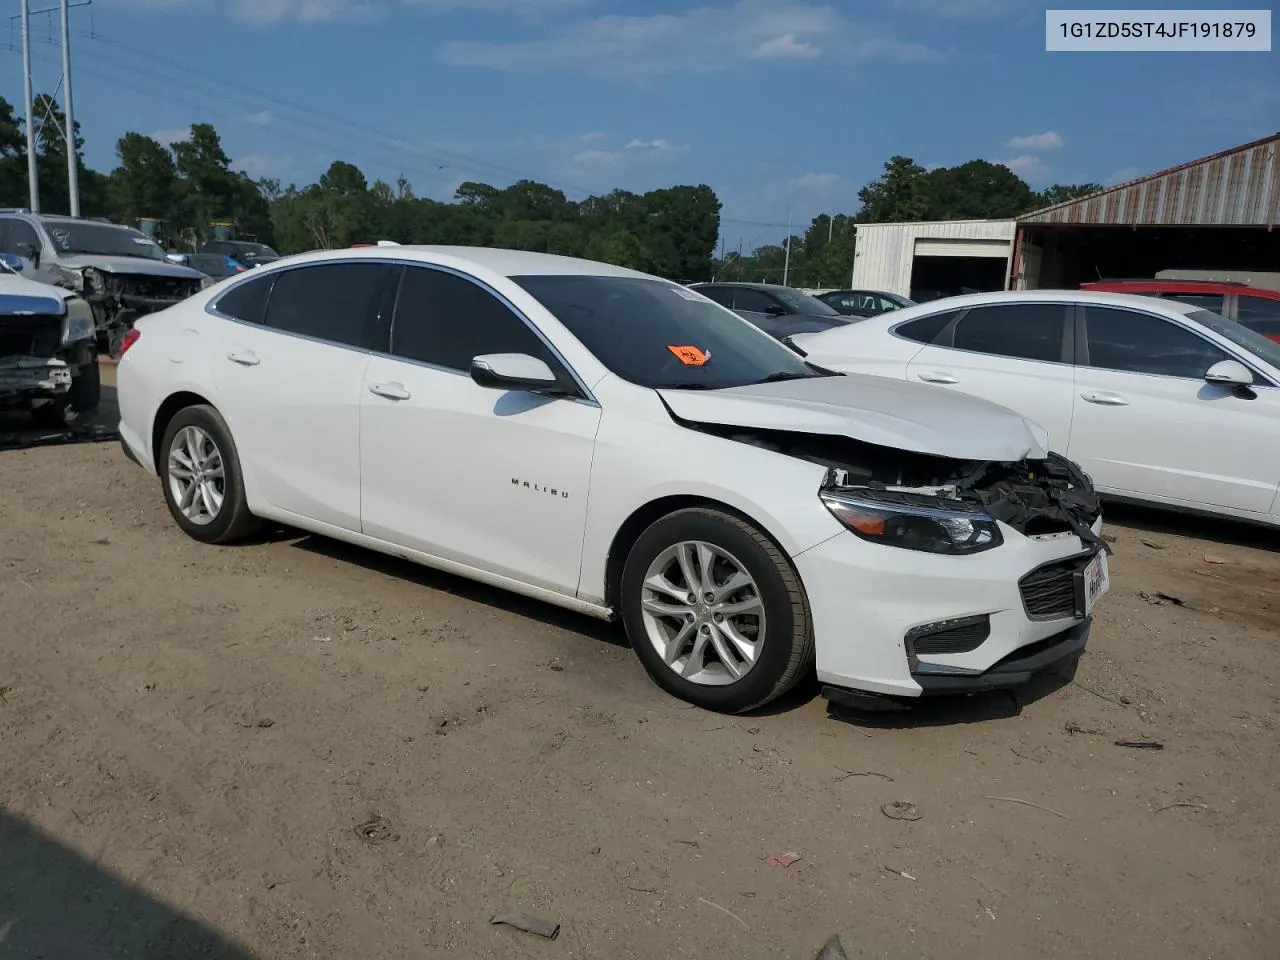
{"x": 86, "y": 389}
{"x": 234, "y": 521}
{"x": 786, "y": 654}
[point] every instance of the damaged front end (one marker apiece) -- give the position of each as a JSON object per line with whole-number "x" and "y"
{"x": 32, "y": 365}
{"x": 938, "y": 504}
{"x": 120, "y": 299}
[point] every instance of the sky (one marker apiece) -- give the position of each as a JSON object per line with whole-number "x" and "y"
{"x": 784, "y": 107}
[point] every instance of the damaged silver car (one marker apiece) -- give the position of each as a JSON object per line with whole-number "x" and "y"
{"x": 119, "y": 271}
{"x": 48, "y": 363}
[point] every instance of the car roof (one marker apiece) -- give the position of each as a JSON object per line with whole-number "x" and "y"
{"x": 745, "y": 283}
{"x": 1099, "y": 297}
{"x": 506, "y": 263}
{"x": 1208, "y": 287}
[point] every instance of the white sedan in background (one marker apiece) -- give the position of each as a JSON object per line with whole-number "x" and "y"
{"x": 1160, "y": 402}
{"x": 619, "y": 445}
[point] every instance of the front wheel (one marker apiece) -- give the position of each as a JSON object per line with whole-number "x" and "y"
{"x": 715, "y": 611}
{"x": 203, "y": 486}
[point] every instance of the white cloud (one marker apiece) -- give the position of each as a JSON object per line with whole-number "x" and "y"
{"x": 696, "y": 40}
{"x": 256, "y": 164}
{"x": 786, "y": 47}
{"x": 263, "y": 118}
{"x": 170, "y": 137}
{"x": 593, "y": 136}
{"x": 1028, "y": 166}
{"x": 1050, "y": 140}
{"x": 659, "y": 147}
{"x": 1122, "y": 175}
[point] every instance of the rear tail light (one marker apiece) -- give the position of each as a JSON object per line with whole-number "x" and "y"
{"x": 130, "y": 338}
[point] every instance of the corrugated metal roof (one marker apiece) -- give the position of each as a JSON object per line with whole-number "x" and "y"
{"x": 1238, "y": 187}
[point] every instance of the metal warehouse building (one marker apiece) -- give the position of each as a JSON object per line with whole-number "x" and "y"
{"x": 1214, "y": 217}
{"x": 927, "y": 260}
{"x": 1218, "y": 214}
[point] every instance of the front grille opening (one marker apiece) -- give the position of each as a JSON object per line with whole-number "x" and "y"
{"x": 1051, "y": 592}
{"x": 961, "y": 635}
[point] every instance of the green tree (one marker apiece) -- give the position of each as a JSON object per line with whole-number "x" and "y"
{"x": 1059, "y": 193}
{"x": 899, "y": 194}
{"x": 145, "y": 183}
{"x": 976, "y": 190}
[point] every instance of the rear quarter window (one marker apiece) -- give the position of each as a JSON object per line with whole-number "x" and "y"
{"x": 926, "y": 329}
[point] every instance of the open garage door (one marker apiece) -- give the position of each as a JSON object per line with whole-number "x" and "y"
{"x": 948, "y": 268}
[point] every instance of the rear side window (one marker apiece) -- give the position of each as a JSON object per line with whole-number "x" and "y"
{"x": 926, "y": 329}
{"x": 1023, "y": 331}
{"x": 753, "y": 301}
{"x": 247, "y": 301}
{"x": 721, "y": 295}
{"x": 332, "y": 301}
{"x": 1134, "y": 342}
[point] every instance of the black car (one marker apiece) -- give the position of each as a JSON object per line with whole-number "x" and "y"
{"x": 863, "y": 303}
{"x": 777, "y": 310}
{"x": 247, "y": 252}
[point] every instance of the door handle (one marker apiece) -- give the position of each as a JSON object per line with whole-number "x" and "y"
{"x": 1105, "y": 398}
{"x": 246, "y": 358}
{"x": 935, "y": 377}
{"x": 392, "y": 391}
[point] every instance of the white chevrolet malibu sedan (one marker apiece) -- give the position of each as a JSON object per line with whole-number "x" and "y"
{"x": 617, "y": 444}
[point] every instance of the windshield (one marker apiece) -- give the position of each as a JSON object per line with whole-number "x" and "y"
{"x": 803, "y": 303}
{"x": 657, "y": 334}
{"x": 77, "y": 236}
{"x": 1265, "y": 350}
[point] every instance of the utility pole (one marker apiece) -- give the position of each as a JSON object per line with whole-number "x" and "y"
{"x": 73, "y": 171}
{"x": 33, "y": 179}
{"x": 786, "y": 263}
{"x": 831, "y": 226}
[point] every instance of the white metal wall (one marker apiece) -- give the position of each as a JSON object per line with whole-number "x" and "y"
{"x": 884, "y": 252}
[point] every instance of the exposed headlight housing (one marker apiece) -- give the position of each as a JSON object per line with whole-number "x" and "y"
{"x": 900, "y": 523}
{"x": 78, "y": 323}
{"x": 93, "y": 280}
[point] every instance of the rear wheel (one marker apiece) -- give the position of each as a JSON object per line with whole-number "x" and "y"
{"x": 203, "y": 486}
{"x": 715, "y": 611}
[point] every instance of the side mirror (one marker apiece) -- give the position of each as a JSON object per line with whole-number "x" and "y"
{"x": 514, "y": 371}
{"x": 13, "y": 262}
{"x": 776, "y": 310}
{"x": 1229, "y": 373}
{"x": 30, "y": 252}
{"x": 181, "y": 258}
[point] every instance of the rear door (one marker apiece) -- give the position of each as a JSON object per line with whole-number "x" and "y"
{"x": 289, "y": 366}
{"x": 1147, "y": 424}
{"x": 762, "y": 310}
{"x": 1015, "y": 354}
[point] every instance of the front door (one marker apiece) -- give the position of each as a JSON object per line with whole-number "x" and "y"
{"x": 289, "y": 371}
{"x": 1015, "y": 354}
{"x": 495, "y": 480}
{"x": 1147, "y": 424}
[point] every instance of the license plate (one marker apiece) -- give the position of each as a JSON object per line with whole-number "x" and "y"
{"x": 1097, "y": 581}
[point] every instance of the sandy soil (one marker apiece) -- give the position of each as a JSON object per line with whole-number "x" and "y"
{"x": 191, "y": 739}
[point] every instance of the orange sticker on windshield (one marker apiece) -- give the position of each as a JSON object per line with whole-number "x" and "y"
{"x": 690, "y": 356}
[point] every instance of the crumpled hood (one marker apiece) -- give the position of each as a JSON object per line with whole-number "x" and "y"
{"x": 135, "y": 266}
{"x": 877, "y": 410}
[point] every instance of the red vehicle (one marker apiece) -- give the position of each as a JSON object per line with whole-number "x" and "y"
{"x": 1254, "y": 307}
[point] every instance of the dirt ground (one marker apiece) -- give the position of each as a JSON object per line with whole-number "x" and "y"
{"x": 298, "y": 749}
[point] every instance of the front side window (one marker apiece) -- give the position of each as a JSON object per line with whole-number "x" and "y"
{"x": 1249, "y": 337}
{"x": 721, "y": 295}
{"x": 1023, "y": 331}
{"x": 331, "y": 301}
{"x": 1202, "y": 300}
{"x": 23, "y": 238}
{"x": 753, "y": 301}
{"x": 447, "y": 321}
{"x": 659, "y": 335}
{"x": 247, "y": 301}
{"x": 798, "y": 302}
{"x": 1259, "y": 313}
{"x": 1132, "y": 342}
